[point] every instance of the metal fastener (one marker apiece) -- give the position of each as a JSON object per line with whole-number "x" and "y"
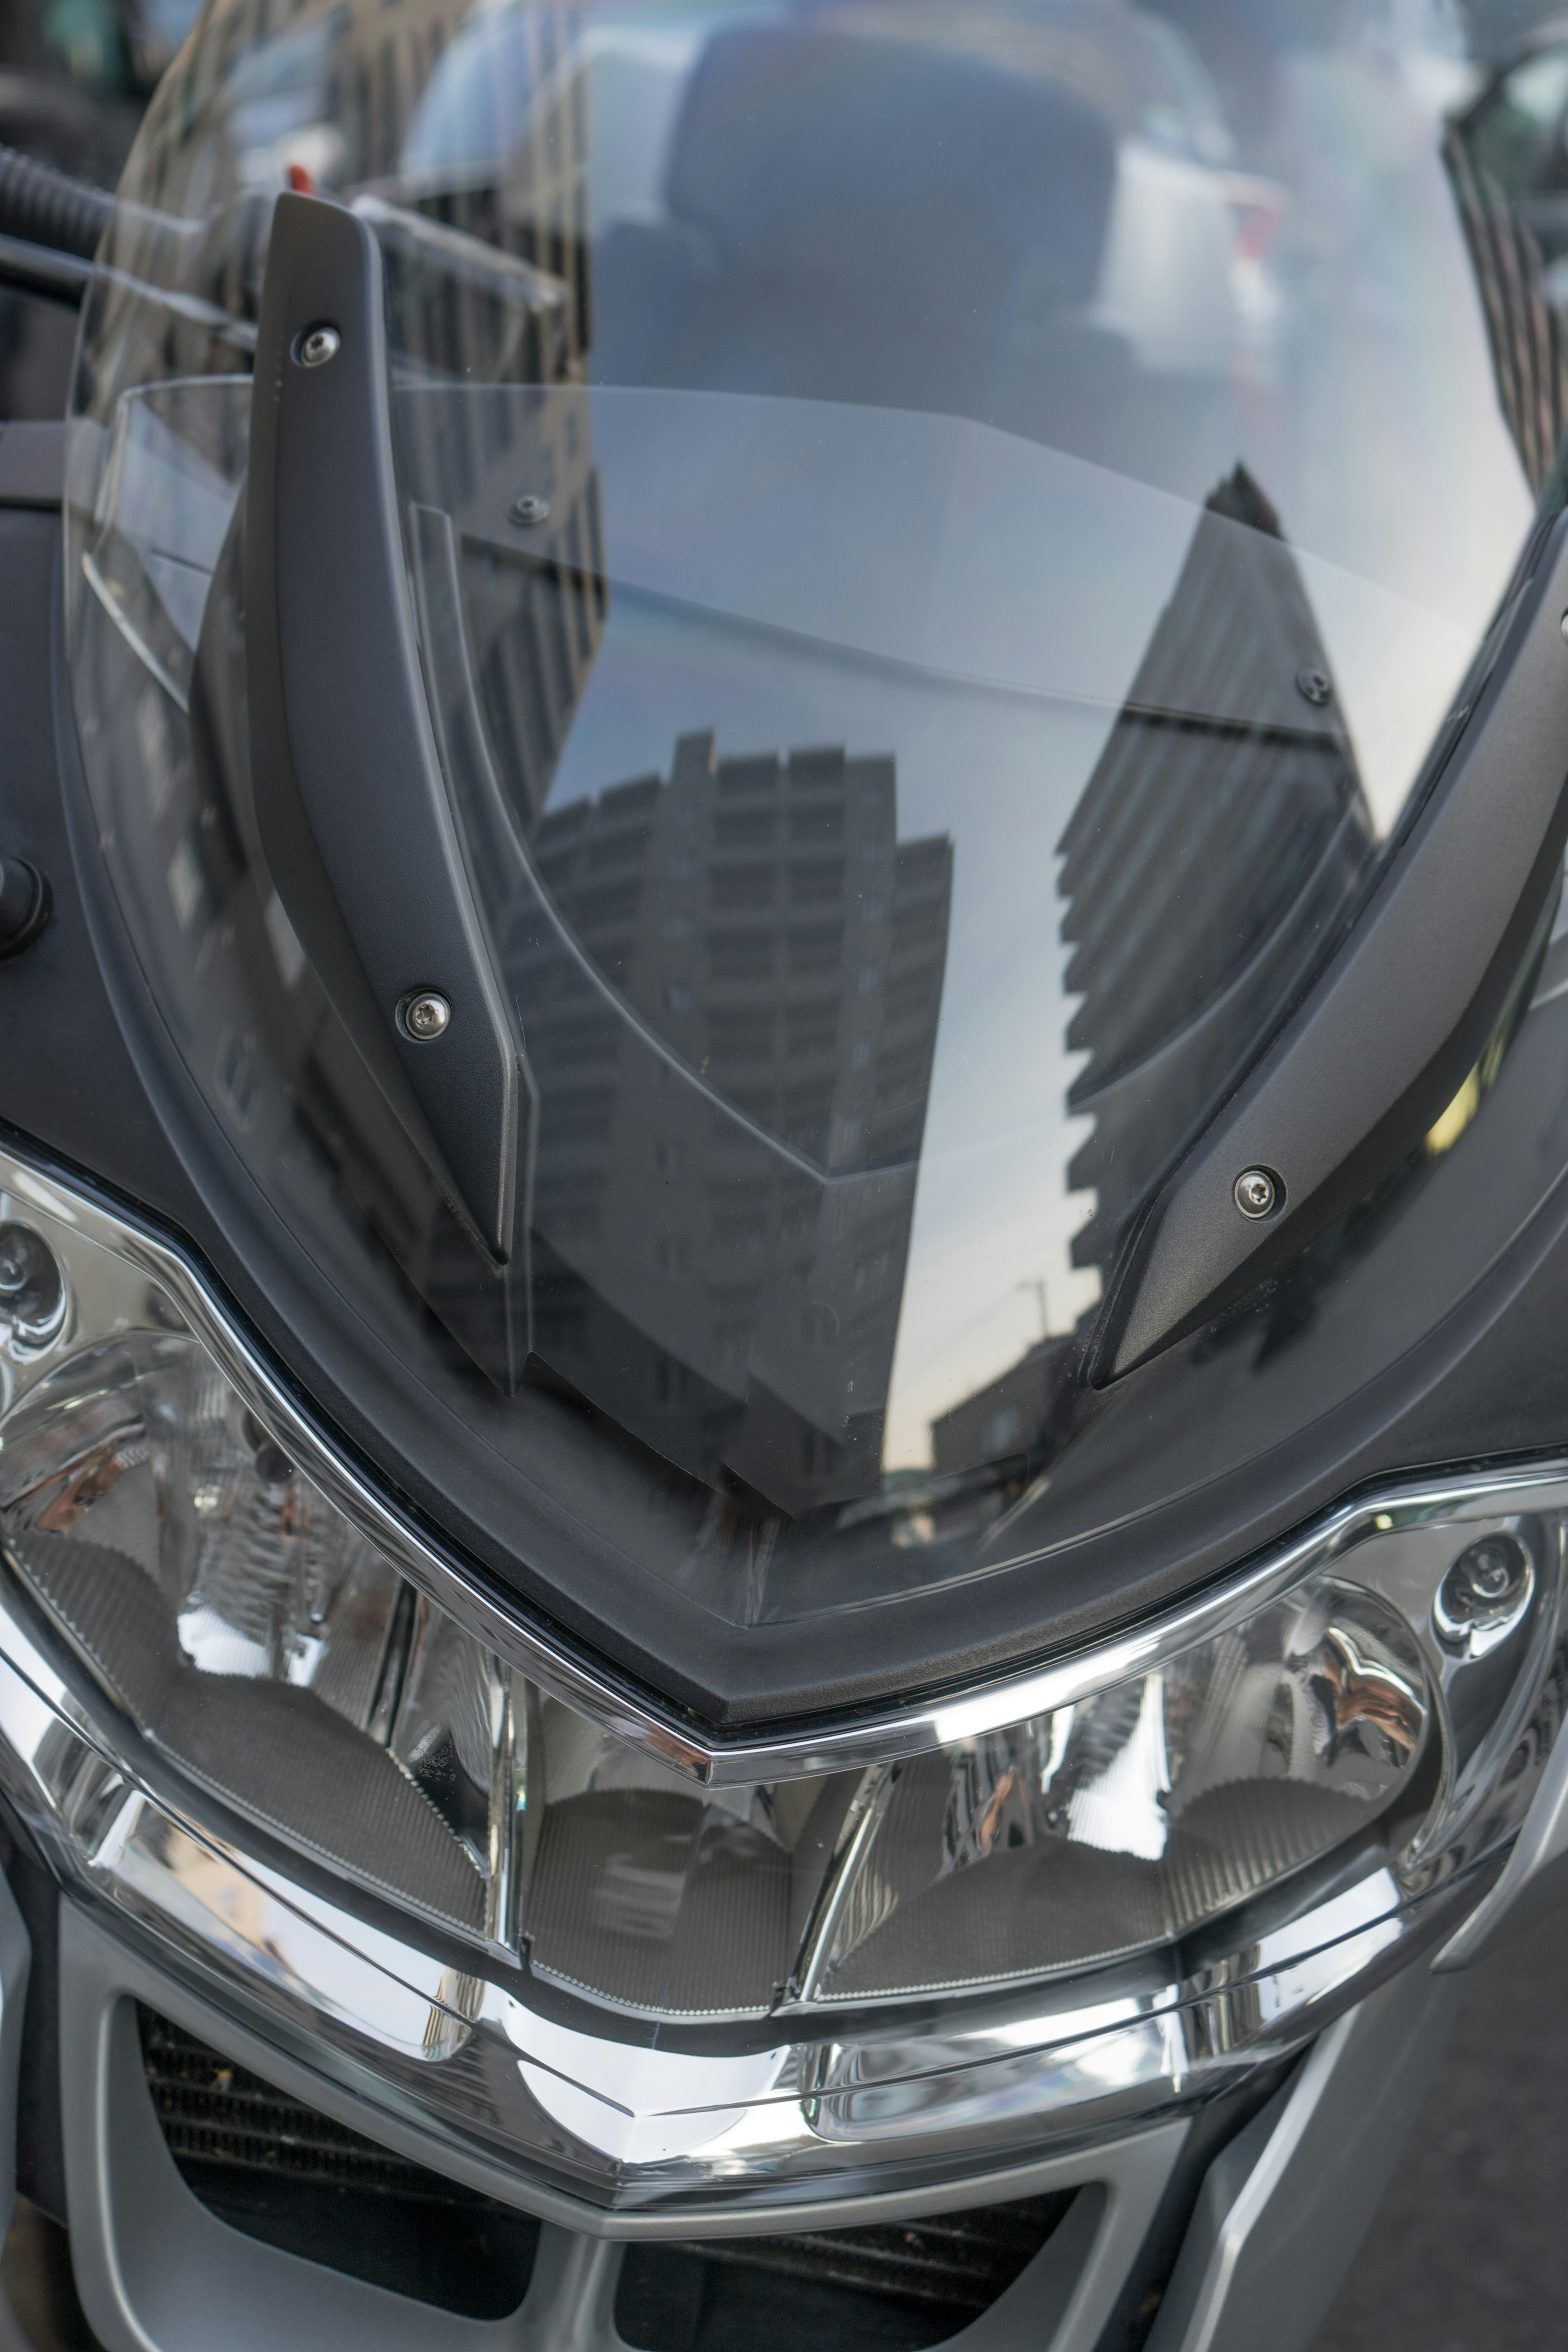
{"x": 1565, "y": 624}
{"x": 424, "y": 1014}
{"x": 318, "y": 345}
{"x": 1256, "y": 1193}
{"x": 1316, "y": 685}
{"x": 528, "y": 511}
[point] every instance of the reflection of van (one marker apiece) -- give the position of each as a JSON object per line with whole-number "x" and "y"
{"x": 1164, "y": 274}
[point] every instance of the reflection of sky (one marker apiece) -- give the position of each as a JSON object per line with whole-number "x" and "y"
{"x": 977, "y": 606}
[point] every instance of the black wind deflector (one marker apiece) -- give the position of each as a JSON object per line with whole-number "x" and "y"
{"x": 349, "y": 800}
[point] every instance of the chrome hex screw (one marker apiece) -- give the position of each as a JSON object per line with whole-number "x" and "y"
{"x": 424, "y": 1015}
{"x": 528, "y": 511}
{"x": 1256, "y": 1193}
{"x": 317, "y": 345}
{"x": 1315, "y": 685}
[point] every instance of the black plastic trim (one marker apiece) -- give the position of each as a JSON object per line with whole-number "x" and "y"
{"x": 350, "y": 799}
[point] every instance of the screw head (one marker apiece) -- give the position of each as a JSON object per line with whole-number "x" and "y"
{"x": 424, "y": 1014}
{"x": 528, "y": 511}
{"x": 317, "y": 345}
{"x": 1256, "y": 1193}
{"x": 1316, "y": 685}
{"x": 1565, "y": 624}
{"x": 1484, "y": 1594}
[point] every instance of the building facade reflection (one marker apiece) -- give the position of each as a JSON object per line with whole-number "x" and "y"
{"x": 1220, "y": 838}
{"x": 730, "y": 1029}
{"x": 1222, "y": 834}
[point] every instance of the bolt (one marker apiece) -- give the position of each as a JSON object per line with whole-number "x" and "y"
{"x": 424, "y": 1013}
{"x": 528, "y": 511}
{"x": 1316, "y": 685}
{"x": 318, "y": 345}
{"x": 1256, "y": 1193}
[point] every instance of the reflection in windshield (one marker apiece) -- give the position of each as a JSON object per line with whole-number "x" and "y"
{"x": 731, "y": 1300}
{"x": 1221, "y": 833}
{"x": 941, "y": 538}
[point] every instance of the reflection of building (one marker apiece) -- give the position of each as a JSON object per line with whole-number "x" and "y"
{"x": 1221, "y": 833}
{"x": 728, "y": 1132}
{"x": 1008, "y": 1417}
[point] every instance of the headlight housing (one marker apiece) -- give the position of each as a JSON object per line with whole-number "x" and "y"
{"x": 311, "y": 1759}
{"x": 255, "y": 1638}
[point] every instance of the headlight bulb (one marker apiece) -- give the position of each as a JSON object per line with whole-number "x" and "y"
{"x": 1484, "y": 1595}
{"x": 32, "y": 1290}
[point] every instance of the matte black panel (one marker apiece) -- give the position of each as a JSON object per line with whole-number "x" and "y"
{"x": 349, "y": 794}
{"x": 1385, "y": 1039}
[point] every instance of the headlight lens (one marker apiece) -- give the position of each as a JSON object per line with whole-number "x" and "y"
{"x": 1189, "y": 1845}
{"x": 248, "y": 1631}
{"x": 266, "y": 1648}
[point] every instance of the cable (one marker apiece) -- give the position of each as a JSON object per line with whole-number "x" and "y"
{"x": 46, "y": 207}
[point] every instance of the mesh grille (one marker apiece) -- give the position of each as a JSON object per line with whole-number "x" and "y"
{"x": 281, "y": 2172}
{"x": 213, "y": 2112}
{"x": 284, "y": 2172}
{"x": 959, "y": 2258}
{"x": 896, "y": 2286}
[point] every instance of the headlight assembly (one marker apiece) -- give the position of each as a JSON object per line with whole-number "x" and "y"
{"x": 236, "y": 1717}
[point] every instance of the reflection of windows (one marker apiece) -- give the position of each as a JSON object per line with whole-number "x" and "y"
{"x": 743, "y": 828}
{"x": 740, "y": 955}
{"x": 1220, "y": 836}
{"x": 743, "y": 886}
{"x": 813, "y": 1029}
{"x": 820, "y": 880}
{"x": 719, "y": 1256}
{"x": 823, "y": 823}
{"x": 741, "y": 1037}
{"x": 816, "y": 949}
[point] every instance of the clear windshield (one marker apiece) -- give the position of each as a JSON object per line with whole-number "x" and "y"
{"x": 941, "y": 539}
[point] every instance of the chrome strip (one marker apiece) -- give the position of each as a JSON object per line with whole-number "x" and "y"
{"x": 70, "y": 1218}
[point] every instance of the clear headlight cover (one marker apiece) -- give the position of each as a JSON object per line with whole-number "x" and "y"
{"x": 263, "y": 1646}
{"x": 246, "y": 1706}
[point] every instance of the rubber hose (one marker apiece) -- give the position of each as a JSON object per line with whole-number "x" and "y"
{"x": 48, "y": 207}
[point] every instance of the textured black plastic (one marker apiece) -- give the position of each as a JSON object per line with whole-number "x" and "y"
{"x": 350, "y": 800}
{"x": 1384, "y": 1041}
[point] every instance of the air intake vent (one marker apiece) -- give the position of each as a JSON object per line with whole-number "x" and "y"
{"x": 896, "y": 2286}
{"x": 283, "y": 2172}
